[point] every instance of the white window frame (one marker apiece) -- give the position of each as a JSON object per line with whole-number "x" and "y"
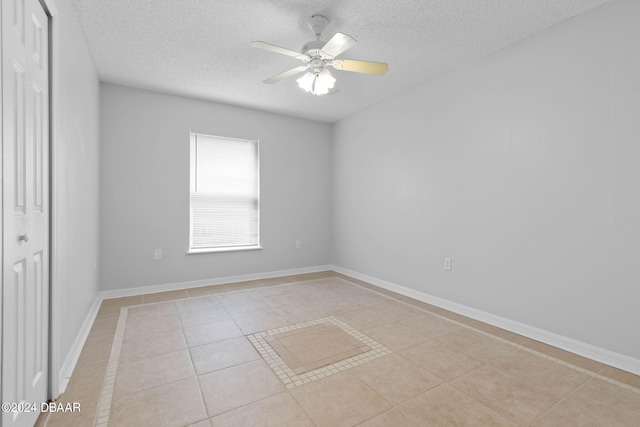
{"x": 192, "y": 187}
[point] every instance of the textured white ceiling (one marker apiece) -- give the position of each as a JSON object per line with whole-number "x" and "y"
{"x": 200, "y": 48}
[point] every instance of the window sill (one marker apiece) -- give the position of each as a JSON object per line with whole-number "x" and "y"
{"x": 229, "y": 249}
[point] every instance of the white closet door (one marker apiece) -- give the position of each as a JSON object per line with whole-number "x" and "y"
{"x": 25, "y": 207}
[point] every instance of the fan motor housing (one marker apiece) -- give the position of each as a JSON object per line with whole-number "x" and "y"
{"x": 316, "y": 65}
{"x": 313, "y": 48}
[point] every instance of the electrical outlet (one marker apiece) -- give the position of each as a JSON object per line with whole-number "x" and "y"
{"x": 157, "y": 254}
{"x": 447, "y": 264}
{"x": 298, "y": 244}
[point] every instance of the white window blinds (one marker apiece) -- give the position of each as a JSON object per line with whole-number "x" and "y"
{"x": 225, "y": 193}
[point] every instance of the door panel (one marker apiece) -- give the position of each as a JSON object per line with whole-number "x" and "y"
{"x": 20, "y": 174}
{"x": 25, "y": 207}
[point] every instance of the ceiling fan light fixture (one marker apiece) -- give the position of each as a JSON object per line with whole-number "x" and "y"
{"x": 319, "y": 83}
{"x": 317, "y": 55}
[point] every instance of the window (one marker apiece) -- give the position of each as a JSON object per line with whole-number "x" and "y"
{"x": 225, "y": 194}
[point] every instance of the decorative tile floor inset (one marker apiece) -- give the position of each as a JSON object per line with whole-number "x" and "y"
{"x": 315, "y": 346}
{"x": 308, "y": 351}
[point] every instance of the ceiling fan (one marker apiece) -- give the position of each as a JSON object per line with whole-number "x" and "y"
{"x": 317, "y": 56}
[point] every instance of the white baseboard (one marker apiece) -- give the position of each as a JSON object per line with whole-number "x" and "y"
{"x": 72, "y": 357}
{"x": 118, "y": 293}
{"x": 608, "y": 357}
{"x": 602, "y": 355}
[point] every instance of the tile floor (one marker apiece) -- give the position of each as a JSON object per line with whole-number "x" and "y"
{"x": 194, "y": 358}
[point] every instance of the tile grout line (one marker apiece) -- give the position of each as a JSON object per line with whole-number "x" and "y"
{"x": 193, "y": 365}
{"x": 504, "y": 340}
{"x": 440, "y": 316}
{"x": 106, "y": 394}
{"x": 103, "y": 409}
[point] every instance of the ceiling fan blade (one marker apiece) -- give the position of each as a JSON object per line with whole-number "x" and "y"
{"x": 286, "y": 74}
{"x": 277, "y": 49}
{"x": 338, "y": 44}
{"x": 366, "y": 67}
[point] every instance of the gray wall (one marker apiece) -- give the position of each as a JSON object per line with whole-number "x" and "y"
{"x": 75, "y": 176}
{"x": 523, "y": 168}
{"x": 144, "y": 194}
